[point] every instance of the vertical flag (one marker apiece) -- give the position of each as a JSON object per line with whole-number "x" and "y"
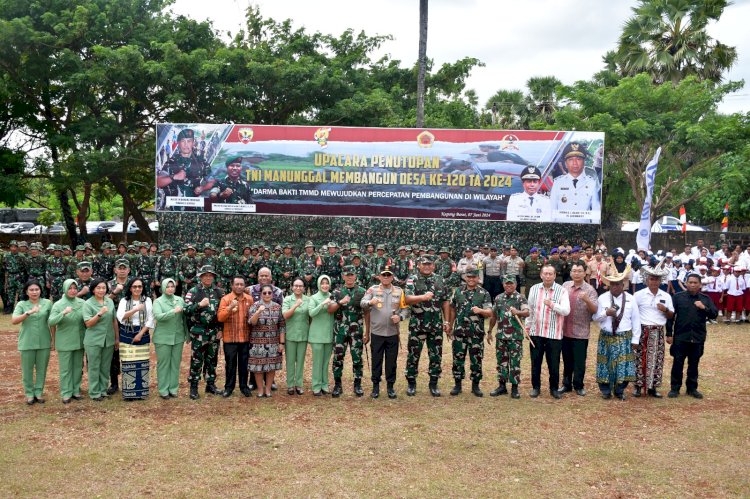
{"x": 643, "y": 239}
{"x": 725, "y": 220}
{"x": 683, "y": 219}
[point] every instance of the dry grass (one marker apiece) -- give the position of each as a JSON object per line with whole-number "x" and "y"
{"x": 452, "y": 446}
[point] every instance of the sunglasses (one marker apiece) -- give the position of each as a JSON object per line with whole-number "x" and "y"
{"x": 267, "y": 293}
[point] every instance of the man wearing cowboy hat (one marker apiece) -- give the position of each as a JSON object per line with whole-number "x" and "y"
{"x": 575, "y": 195}
{"x": 620, "y": 332}
{"x": 529, "y": 205}
{"x": 655, "y": 308}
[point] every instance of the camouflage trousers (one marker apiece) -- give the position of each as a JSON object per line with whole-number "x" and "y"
{"x": 55, "y": 288}
{"x": 348, "y": 335}
{"x": 509, "y": 354}
{"x": 203, "y": 357}
{"x": 474, "y": 345}
{"x": 13, "y": 288}
{"x": 417, "y": 338}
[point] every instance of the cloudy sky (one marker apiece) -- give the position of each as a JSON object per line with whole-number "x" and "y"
{"x": 516, "y": 40}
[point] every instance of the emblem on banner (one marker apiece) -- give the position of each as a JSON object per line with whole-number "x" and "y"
{"x": 245, "y": 135}
{"x": 425, "y": 139}
{"x": 509, "y": 142}
{"x": 321, "y": 136}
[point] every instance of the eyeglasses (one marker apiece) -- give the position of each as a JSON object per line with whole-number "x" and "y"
{"x": 297, "y": 286}
{"x": 267, "y": 293}
{"x": 136, "y": 286}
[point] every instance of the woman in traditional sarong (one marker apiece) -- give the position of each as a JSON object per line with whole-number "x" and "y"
{"x": 267, "y": 336}
{"x": 136, "y": 318}
{"x": 66, "y": 324}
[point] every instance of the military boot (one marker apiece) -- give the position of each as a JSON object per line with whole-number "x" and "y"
{"x": 457, "y": 388}
{"x": 336, "y": 393}
{"x": 212, "y": 389}
{"x": 194, "y": 391}
{"x": 411, "y": 389}
{"x": 434, "y": 390}
{"x": 375, "y": 390}
{"x": 475, "y": 388}
{"x": 514, "y": 392}
{"x": 391, "y": 391}
{"x": 500, "y": 390}
{"x": 358, "y": 387}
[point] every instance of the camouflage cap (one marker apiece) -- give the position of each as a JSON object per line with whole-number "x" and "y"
{"x": 443, "y": 249}
{"x": 332, "y": 244}
{"x": 354, "y": 246}
{"x": 165, "y": 247}
{"x": 208, "y": 246}
{"x": 278, "y": 248}
{"x": 206, "y": 269}
{"x": 189, "y": 246}
{"x": 122, "y": 262}
{"x": 84, "y": 265}
{"x": 380, "y": 247}
{"x": 131, "y": 247}
{"x": 348, "y": 270}
{"x": 509, "y": 278}
{"x": 80, "y": 247}
{"x": 309, "y": 244}
{"x": 472, "y": 272}
{"x": 288, "y": 245}
{"x": 88, "y": 245}
{"x": 23, "y": 244}
{"x": 66, "y": 247}
{"x": 50, "y": 247}
{"x": 13, "y": 242}
{"x": 229, "y": 246}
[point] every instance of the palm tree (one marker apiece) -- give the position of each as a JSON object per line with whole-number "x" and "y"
{"x": 542, "y": 99}
{"x": 509, "y": 110}
{"x": 421, "y": 61}
{"x": 668, "y": 40}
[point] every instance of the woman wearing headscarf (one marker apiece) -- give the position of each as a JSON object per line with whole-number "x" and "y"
{"x": 169, "y": 337}
{"x": 320, "y": 335}
{"x": 100, "y": 340}
{"x": 618, "y": 259}
{"x": 135, "y": 315}
{"x": 34, "y": 339}
{"x": 267, "y": 337}
{"x": 296, "y": 313}
{"x": 66, "y": 325}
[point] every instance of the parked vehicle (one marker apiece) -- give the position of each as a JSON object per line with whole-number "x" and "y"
{"x": 117, "y": 227}
{"x": 666, "y": 223}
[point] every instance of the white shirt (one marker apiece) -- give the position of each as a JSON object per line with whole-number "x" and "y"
{"x": 684, "y": 257}
{"x": 631, "y": 320}
{"x": 734, "y": 285}
{"x": 576, "y": 201}
{"x": 525, "y": 208}
{"x": 647, "y": 301}
{"x": 135, "y": 319}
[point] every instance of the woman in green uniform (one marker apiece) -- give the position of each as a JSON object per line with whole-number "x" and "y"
{"x": 100, "y": 340}
{"x": 66, "y": 325}
{"x": 34, "y": 339}
{"x": 320, "y": 336}
{"x": 296, "y": 314}
{"x": 169, "y": 337}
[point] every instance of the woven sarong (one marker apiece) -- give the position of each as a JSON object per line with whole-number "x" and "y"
{"x": 134, "y": 362}
{"x": 615, "y": 362}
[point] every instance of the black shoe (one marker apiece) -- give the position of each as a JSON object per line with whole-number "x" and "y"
{"x": 247, "y": 393}
{"x": 77, "y": 397}
{"x": 434, "y": 390}
{"x": 40, "y": 400}
{"x": 514, "y": 392}
{"x": 456, "y": 389}
{"x": 580, "y": 392}
{"x": 173, "y": 395}
{"x": 164, "y": 397}
{"x": 194, "y": 392}
{"x": 30, "y": 401}
{"x": 534, "y": 393}
{"x": 565, "y": 389}
{"x": 299, "y": 391}
{"x": 475, "y": 389}
{"x": 112, "y": 389}
{"x": 500, "y": 390}
{"x": 620, "y": 395}
{"x": 274, "y": 387}
{"x": 606, "y": 396}
{"x": 692, "y": 393}
{"x": 654, "y": 393}
{"x": 673, "y": 394}
{"x": 358, "y": 387}
{"x": 317, "y": 394}
{"x": 637, "y": 392}
{"x": 66, "y": 401}
{"x": 213, "y": 390}
{"x": 391, "y": 391}
{"x": 375, "y": 390}
{"x": 290, "y": 390}
{"x": 411, "y": 389}
{"x": 336, "y": 393}
{"x": 226, "y": 393}
{"x": 98, "y": 399}
{"x": 555, "y": 394}
{"x": 324, "y": 392}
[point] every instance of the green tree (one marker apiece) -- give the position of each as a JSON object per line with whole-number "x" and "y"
{"x": 508, "y": 109}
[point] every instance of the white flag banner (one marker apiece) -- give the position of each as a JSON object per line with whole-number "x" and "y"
{"x": 643, "y": 239}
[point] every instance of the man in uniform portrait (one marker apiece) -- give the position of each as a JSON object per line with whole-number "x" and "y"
{"x": 529, "y": 205}
{"x": 185, "y": 174}
{"x": 575, "y": 195}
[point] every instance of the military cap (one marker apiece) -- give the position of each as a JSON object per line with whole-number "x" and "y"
{"x": 261, "y": 244}
{"x": 401, "y": 248}
{"x": 354, "y": 246}
{"x": 575, "y": 150}
{"x": 50, "y": 247}
{"x": 88, "y": 245}
{"x": 165, "y": 247}
{"x": 104, "y": 246}
{"x": 247, "y": 246}
{"x": 254, "y": 246}
{"x": 509, "y": 278}
{"x": 485, "y": 246}
{"x": 469, "y": 248}
{"x": 472, "y": 272}
{"x": 80, "y": 247}
{"x": 131, "y": 247}
{"x": 288, "y": 245}
{"x": 531, "y": 172}
{"x": 407, "y": 247}
{"x": 576, "y": 249}
{"x": 13, "y": 242}
{"x": 425, "y": 259}
{"x": 208, "y": 246}
{"x": 386, "y": 270}
{"x": 83, "y": 265}
{"x": 332, "y": 244}
{"x": 564, "y": 251}
{"x": 122, "y": 262}
{"x": 233, "y": 159}
{"x": 24, "y": 244}
{"x": 122, "y": 243}
{"x": 144, "y": 244}
{"x": 348, "y": 270}
{"x": 309, "y": 244}
{"x": 534, "y": 249}
{"x": 228, "y": 246}
{"x": 206, "y": 269}
{"x": 56, "y": 247}
{"x": 66, "y": 247}
{"x": 345, "y": 246}
{"x": 553, "y": 251}
{"x": 369, "y": 244}
{"x": 186, "y": 133}
{"x": 380, "y": 247}
{"x": 493, "y": 247}
{"x": 278, "y": 248}
{"x": 356, "y": 255}
{"x": 189, "y": 246}
{"x": 444, "y": 249}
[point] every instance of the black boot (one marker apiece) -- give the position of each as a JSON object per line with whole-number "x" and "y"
{"x": 411, "y": 389}
{"x": 194, "y": 391}
{"x": 358, "y": 387}
{"x": 475, "y": 388}
{"x": 434, "y": 390}
{"x": 113, "y": 388}
{"x": 637, "y": 392}
{"x": 514, "y": 392}
{"x": 212, "y": 389}
{"x": 457, "y": 388}
{"x": 391, "y": 391}
{"x": 375, "y": 390}
{"x": 500, "y": 390}
{"x": 336, "y": 393}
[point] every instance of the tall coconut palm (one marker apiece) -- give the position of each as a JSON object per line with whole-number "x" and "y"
{"x": 542, "y": 99}
{"x": 508, "y": 109}
{"x": 421, "y": 61}
{"x": 668, "y": 40}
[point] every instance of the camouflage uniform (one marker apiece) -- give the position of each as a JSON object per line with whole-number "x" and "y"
{"x": 307, "y": 265}
{"x": 186, "y": 272}
{"x": 15, "y": 277}
{"x": 402, "y": 269}
{"x": 331, "y": 266}
{"x": 145, "y": 268}
{"x": 167, "y": 267}
{"x": 377, "y": 264}
{"x": 468, "y": 330}
{"x": 226, "y": 268}
{"x": 104, "y": 266}
{"x": 37, "y": 269}
{"x": 509, "y": 337}
{"x": 446, "y": 268}
{"x": 348, "y": 330}
{"x": 56, "y": 274}
{"x": 425, "y": 324}
{"x": 531, "y": 273}
{"x": 284, "y": 265}
{"x": 204, "y": 326}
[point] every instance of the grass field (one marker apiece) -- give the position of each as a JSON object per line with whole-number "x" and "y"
{"x": 411, "y": 447}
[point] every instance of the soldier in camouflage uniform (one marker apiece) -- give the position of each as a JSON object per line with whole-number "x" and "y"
{"x": 245, "y": 263}
{"x": 509, "y": 347}
{"x": 307, "y": 268}
{"x": 37, "y": 266}
{"x": 209, "y": 256}
{"x": 427, "y": 296}
{"x": 167, "y": 267}
{"x": 377, "y": 264}
{"x": 201, "y": 307}
{"x": 56, "y": 273}
{"x": 187, "y": 270}
{"x": 353, "y": 251}
{"x": 145, "y": 268}
{"x": 3, "y": 290}
{"x": 445, "y": 267}
{"x": 470, "y": 305}
{"x": 185, "y": 173}
{"x": 262, "y": 260}
{"x": 226, "y": 267}
{"x": 232, "y": 190}
{"x": 559, "y": 265}
{"x": 360, "y": 269}
{"x": 285, "y": 269}
{"x": 14, "y": 265}
{"x": 347, "y": 330}
{"x": 104, "y": 264}
{"x": 532, "y": 269}
{"x": 331, "y": 265}
{"x": 402, "y": 267}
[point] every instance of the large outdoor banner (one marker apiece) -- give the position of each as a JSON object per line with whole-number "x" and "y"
{"x": 534, "y": 176}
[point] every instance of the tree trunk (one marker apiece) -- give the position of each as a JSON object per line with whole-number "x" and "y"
{"x": 83, "y": 210}
{"x": 125, "y": 218}
{"x": 127, "y": 200}
{"x": 422, "y": 61}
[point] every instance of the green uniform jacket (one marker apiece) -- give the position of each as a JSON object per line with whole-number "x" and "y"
{"x": 102, "y": 333}
{"x": 321, "y": 326}
{"x": 34, "y": 333}
{"x": 170, "y": 326}
{"x": 70, "y": 328}
{"x": 298, "y": 325}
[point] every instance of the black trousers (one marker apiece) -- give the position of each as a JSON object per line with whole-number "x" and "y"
{"x": 574, "y": 362}
{"x": 492, "y": 285}
{"x": 114, "y": 368}
{"x": 693, "y": 353}
{"x": 235, "y": 358}
{"x": 384, "y": 347}
{"x": 545, "y": 347}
